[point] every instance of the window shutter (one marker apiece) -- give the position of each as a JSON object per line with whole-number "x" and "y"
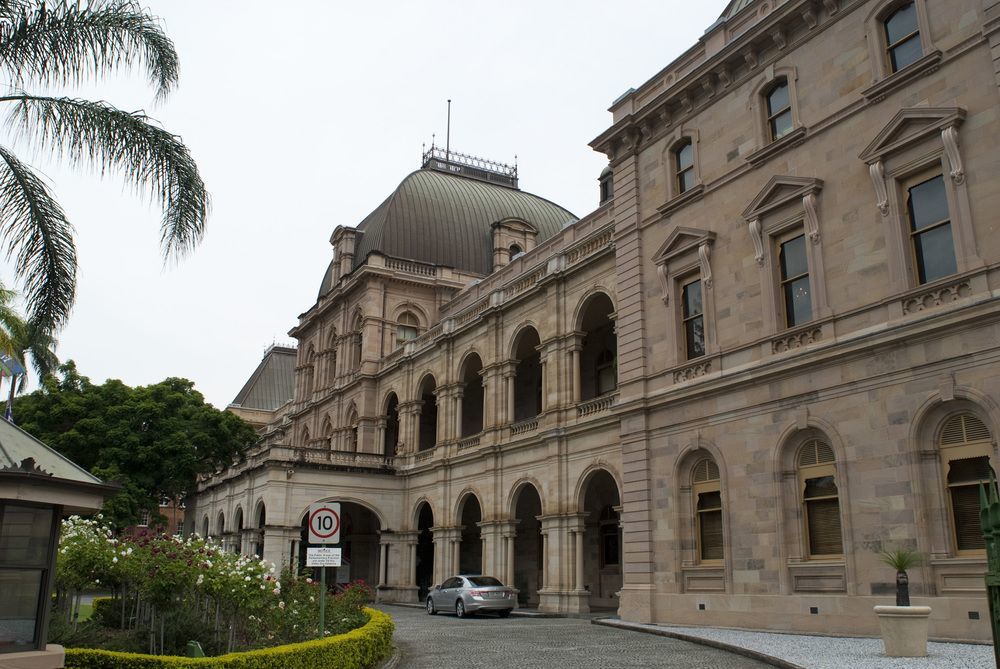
{"x": 824, "y": 527}
{"x": 965, "y": 506}
{"x": 815, "y": 452}
{"x": 962, "y": 429}
{"x": 705, "y": 470}
{"x": 711, "y": 535}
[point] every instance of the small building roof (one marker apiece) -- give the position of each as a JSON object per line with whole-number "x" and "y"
{"x": 272, "y": 384}
{"x": 16, "y": 446}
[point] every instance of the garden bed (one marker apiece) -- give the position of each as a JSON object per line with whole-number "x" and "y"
{"x": 358, "y": 649}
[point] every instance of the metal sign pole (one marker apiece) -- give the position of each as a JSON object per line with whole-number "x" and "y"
{"x": 322, "y": 603}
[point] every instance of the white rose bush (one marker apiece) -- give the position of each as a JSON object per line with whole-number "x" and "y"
{"x": 167, "y": 590}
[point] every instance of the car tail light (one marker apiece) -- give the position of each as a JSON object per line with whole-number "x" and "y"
{"x": 476, "y": 593}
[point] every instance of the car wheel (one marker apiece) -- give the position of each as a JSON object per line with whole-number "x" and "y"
{"x": 430, "y": 606}
{"x": 460, "y": 609}
{"x": 503, "y": 614}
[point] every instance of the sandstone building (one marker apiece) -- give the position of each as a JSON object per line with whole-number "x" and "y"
{"x": 769, "y": 353}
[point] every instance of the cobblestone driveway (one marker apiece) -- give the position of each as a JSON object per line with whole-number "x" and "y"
{"x": 444, "y": 641}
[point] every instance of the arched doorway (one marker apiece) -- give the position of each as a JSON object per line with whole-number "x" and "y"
{"x": 359, "y": 542}
{"x": 602, "y": 543}
{"x": 428, "y": 413}
{"x": 528, "y": 546}
{"x": 391, "y": 438}
{"x": 470, "y": 551}
{"x": 472, "y": 396}
{"x": 527, "y": 375}
{"x": 237, "y": 546}
{"x": 599, "y": 354}
{"x": 258, "y": 549}
{"x": 424, "y": 569}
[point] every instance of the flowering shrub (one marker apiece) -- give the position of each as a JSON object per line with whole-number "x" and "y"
{"x": 169, "y": 590}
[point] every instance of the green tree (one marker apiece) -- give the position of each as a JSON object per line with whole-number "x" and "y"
{"x": 154, "y": 439}
{"x": 58, "y": 43}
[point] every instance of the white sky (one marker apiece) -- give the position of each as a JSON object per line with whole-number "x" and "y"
{"x": 305, "y": 115}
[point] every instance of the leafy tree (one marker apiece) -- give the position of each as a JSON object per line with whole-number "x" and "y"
{"x": 153, "y": 439}
{"x": 57, "y": 43}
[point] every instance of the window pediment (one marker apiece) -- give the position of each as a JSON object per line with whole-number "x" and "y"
{"x": 680, "y": 241}
{"x": 779, "y": 191}
{"x": 516, "y": 225}
{"x": 911, "y": 125}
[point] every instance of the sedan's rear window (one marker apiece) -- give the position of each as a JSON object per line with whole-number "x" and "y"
{"x": 484, "y": 581}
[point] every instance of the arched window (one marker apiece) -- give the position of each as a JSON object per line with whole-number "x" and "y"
{"x": 707, "y": 491}
{"x": 684, "y": 166}
{"x": 779, "y": 110}
{"x": 515, "y": 251}
{"x": 902, "y": 37}
{"x": 966, "y": 446}
{"x": 607, "y": 182}
{"x": 407, "y": 327}
{"x": 820, "y": 500}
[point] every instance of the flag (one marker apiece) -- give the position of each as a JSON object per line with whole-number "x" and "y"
{"x": 10, "y": 365}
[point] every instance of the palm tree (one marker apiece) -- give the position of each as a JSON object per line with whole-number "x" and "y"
{"x": 61, "y": 43}
{"x": 19, "y": 339}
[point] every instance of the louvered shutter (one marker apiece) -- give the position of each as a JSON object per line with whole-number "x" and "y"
{"x": 711, "y": 535}
{"x": 965, "y": 506}
{"x": 824, "y": 527}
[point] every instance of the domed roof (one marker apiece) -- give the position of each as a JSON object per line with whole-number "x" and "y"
{"x": 445, "y": 219}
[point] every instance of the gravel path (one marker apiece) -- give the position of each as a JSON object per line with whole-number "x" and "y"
{"x": 820, "y": 652}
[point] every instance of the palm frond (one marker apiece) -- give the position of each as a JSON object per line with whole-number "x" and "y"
{"x": 68, "y": 42}
{"x": 99, "y": 135}
{"x": 34, "y": 230}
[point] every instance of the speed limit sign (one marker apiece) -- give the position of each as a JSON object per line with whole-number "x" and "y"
{"x": 324, "y": 523}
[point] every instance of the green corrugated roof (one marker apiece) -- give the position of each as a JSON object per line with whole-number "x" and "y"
{"x": 445, "y": 219}
{"x": 16, "y": 445}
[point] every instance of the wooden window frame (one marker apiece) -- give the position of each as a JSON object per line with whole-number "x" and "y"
{"x": 965, "y": 450}
{"x": 813, "y": 471}
{"x": 889, "y": 46}
{"x": 783, "y": 281}
{"x": 772, "y": 115}
{"x": 684, "y": 317}
{"x": 906, "y": 185}
{"x": 680, "y": 170}
{"x": 697, "y": 489}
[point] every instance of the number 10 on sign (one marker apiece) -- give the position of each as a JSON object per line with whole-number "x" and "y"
{"x": 324, "y": 523}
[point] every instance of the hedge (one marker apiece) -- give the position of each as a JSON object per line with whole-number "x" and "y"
{"x": 358, "y": 649}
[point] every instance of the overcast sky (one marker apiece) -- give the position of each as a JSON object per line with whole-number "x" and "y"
{"x": 306, "y": 115}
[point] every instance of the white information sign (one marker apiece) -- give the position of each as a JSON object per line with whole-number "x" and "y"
{"x": 322, "y": 557}
{"x": 324, "y": 523}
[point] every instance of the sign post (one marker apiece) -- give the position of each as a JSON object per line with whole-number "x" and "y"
{"x": 324, "y": 528}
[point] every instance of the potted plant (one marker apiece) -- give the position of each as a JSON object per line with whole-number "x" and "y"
{"x": 904, "y": 627}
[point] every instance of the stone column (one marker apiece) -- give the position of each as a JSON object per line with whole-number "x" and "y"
{"x": 575, "y": 371}
{"x": 509, "y": 380}
{"x": 578, "y": 559}
{"x": 380, "y": 424}
{"x": 509, "y": 571}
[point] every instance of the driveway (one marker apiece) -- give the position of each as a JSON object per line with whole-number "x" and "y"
{"x": 443, "y": 641}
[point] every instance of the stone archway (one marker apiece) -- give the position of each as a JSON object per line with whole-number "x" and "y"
{"x": 359, "y": 541}
{"x": 470, "y": 549}
{"x": 602, "y": 540}
{"x": 424, "y": 567}
{"x": 528, "y": 546}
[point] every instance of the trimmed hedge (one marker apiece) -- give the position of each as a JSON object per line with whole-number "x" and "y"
{"x": 357, "y": 649}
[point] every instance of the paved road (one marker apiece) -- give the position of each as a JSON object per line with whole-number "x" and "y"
{"x": 444, "y": 641}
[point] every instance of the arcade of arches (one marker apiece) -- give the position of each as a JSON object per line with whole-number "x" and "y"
{"x": 567, "y": 561}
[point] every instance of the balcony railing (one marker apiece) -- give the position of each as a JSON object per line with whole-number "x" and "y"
{"x": 590, "y": 407}
{"x": 524, "y": 426}
{"x": 469, "y": 442}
